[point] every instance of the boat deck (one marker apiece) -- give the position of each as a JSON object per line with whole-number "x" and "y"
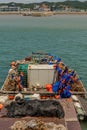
{"x": 83, "y": 103}
{"x": 70, "y": 120}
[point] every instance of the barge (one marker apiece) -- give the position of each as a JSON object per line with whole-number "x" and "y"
{"x": 46, "y": 78}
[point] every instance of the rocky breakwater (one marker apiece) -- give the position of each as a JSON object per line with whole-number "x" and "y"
{"x": 41, "y": 14}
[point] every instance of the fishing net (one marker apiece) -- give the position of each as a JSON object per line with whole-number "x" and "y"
{"x": 45, "y": 108}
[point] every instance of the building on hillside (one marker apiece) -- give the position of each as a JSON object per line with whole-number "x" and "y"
{"x": 36, "y": 7}
{"x": 42, "y": 7}
{"x": 53, "y": 8}
{"x": 11, "y": 7}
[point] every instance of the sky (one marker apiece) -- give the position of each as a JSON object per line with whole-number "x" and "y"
{"x": 31, "y": 1}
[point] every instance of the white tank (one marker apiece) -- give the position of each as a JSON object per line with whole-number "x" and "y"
{"x": 40, "y": 75}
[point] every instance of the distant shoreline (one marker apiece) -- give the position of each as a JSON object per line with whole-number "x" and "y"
{"x": 38, "y": 14}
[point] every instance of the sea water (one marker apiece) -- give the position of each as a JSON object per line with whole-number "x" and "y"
{"x": 61, "y": 35}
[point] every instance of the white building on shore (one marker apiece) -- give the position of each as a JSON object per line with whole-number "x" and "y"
{"x": 11, "y": 7}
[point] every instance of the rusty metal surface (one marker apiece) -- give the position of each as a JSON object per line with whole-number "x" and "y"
{"x": 83, "y": 103}
{"x": 70, "y": 120}
{"x": 6, "y": 123}
{"x": 73, "y": 125}
{"x": 70, "y": 113}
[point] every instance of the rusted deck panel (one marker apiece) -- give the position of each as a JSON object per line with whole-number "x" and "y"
{"x": 6, "y": 123}
{"x": 83, "y": 103}
{"x": 70, "y": 114}
{"x": 73, "y": 125}
{"x": 70, "y": 120}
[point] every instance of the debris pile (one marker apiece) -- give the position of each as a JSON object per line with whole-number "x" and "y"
{"x": 45, "y": 108}
{"x": 36, "y": 125}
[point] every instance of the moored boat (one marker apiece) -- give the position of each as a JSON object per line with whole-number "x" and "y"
{"x": 39, "y": 70}
{"x": 45, "y": 77}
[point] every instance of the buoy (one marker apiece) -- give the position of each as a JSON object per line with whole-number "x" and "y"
{"x": 13, "y": 63}
{"x": 49, "y": 87}
{"x": 60, "y": 65}
{"x": 43, "y": 97}
{"x": 1, "y": 106}
{"x": 11, "y": 97}
{"x": 57, "y": 96}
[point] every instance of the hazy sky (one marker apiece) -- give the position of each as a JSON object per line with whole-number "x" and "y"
{"x": 30, "y": 1}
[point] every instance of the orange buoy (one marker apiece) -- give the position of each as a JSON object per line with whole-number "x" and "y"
{"x": 49, "y": 87}
{"x": 13, "y": 63}
{"x": 1, "y": 106}
{"x": 43, "y": 97}
{"x": 51, "y": 97}
{"x": 60, "y": 65}
{"x": 57, "y": 96}
{"x": 10, "y": 97}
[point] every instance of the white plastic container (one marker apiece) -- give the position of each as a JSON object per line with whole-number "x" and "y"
{"x": 3, "y": 99}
